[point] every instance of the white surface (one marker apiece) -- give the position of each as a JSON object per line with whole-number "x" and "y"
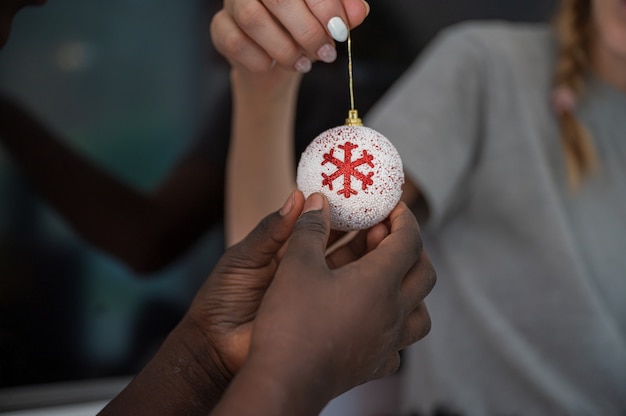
{"x": 85, "y": 409}
{"x": 376, "y": 398}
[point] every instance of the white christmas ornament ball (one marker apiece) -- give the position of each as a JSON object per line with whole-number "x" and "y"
{"x": 359, "y": 171}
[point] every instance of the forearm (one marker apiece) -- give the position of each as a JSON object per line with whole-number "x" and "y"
{"x": 76, "y": 187}
{"x": 145, "y": 231}
{"x": 181, "y": 379}
{"x": 260, "y": 171}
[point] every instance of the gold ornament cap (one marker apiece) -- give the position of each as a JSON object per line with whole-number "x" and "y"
{"x": 353, "y": 118}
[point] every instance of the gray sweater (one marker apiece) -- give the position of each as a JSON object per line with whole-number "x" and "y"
{"x": 529, "y": 311}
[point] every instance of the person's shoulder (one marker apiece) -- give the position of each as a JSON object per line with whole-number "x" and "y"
{"x": 494, "y": 35}
{"x": 496, "y": 42}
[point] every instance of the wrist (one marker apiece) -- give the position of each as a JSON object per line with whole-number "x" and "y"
{"x": 182, "y": 378}
{"x": 274, "y": 384}
{"x": 206, "y": 373}
{"x": 276, "y": 85}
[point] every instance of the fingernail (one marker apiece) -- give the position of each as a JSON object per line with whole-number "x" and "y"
{"x": 313, "y": 203}
{"x": 302, "y": 65}
{"x": 338, "y": 29}
{"x": 288, "y": 205}
{"x": 367, "y": 8}
{"x": 327, "y": 53}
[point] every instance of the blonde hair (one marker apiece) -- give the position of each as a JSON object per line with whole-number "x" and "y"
{"x": 573, "y": 28}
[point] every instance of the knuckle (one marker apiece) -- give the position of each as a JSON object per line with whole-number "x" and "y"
{"x": 235, "y": 46}
{"x": 263, "y": 230}
{"x": 311, "y": 223}
{"x": 310, "y": 34}
{"x": 232, "y": 44}
{"x": 265, "y": 225}
{"x": 258, "y": 65}
{"x": 432, "y": 277}
{"x": 216, "y": 25}
{"x": 425, "y": 324}
{"x": 426, "y": 327}
{"x": 287, "y": 54}
{"x": 250, "y": 15}
{"x": 321, "y": 4}
{"x": 391, "y": 366}
{"x": 417, "y": 326}
{"x": 395, "y": 365}
{"x": 275, "y": 4}
{"x": 217, "y": 19}
{"x": 235, "y": 257}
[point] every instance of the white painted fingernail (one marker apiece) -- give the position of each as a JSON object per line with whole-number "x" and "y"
{"x": 338, "y": 29}
{"x": 327, "y": 53}
{"x": 303, "y": 65}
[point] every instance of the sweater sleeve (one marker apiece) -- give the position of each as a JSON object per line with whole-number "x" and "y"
{"x": 432, "y": 114}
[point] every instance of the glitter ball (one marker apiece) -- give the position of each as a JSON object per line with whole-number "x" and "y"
{"x": 359, "y": 171}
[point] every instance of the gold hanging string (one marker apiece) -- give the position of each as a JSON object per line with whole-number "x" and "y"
{"x": 350, "y": 76}
{"x": 353, "y": 115}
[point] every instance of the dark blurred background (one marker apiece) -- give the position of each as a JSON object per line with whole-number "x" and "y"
{"x": 131, "y": 84}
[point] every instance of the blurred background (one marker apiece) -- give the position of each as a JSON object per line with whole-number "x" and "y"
{"x": 131, "y": 84}
{"x": 126, "y": 83}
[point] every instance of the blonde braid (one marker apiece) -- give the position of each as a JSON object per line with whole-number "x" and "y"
{"x": 574, "y": 31}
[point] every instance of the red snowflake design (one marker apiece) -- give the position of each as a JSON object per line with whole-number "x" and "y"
{"x": 347, "y": 168}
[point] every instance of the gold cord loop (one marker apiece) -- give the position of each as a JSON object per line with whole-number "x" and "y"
{"x": 353, "y": 115}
